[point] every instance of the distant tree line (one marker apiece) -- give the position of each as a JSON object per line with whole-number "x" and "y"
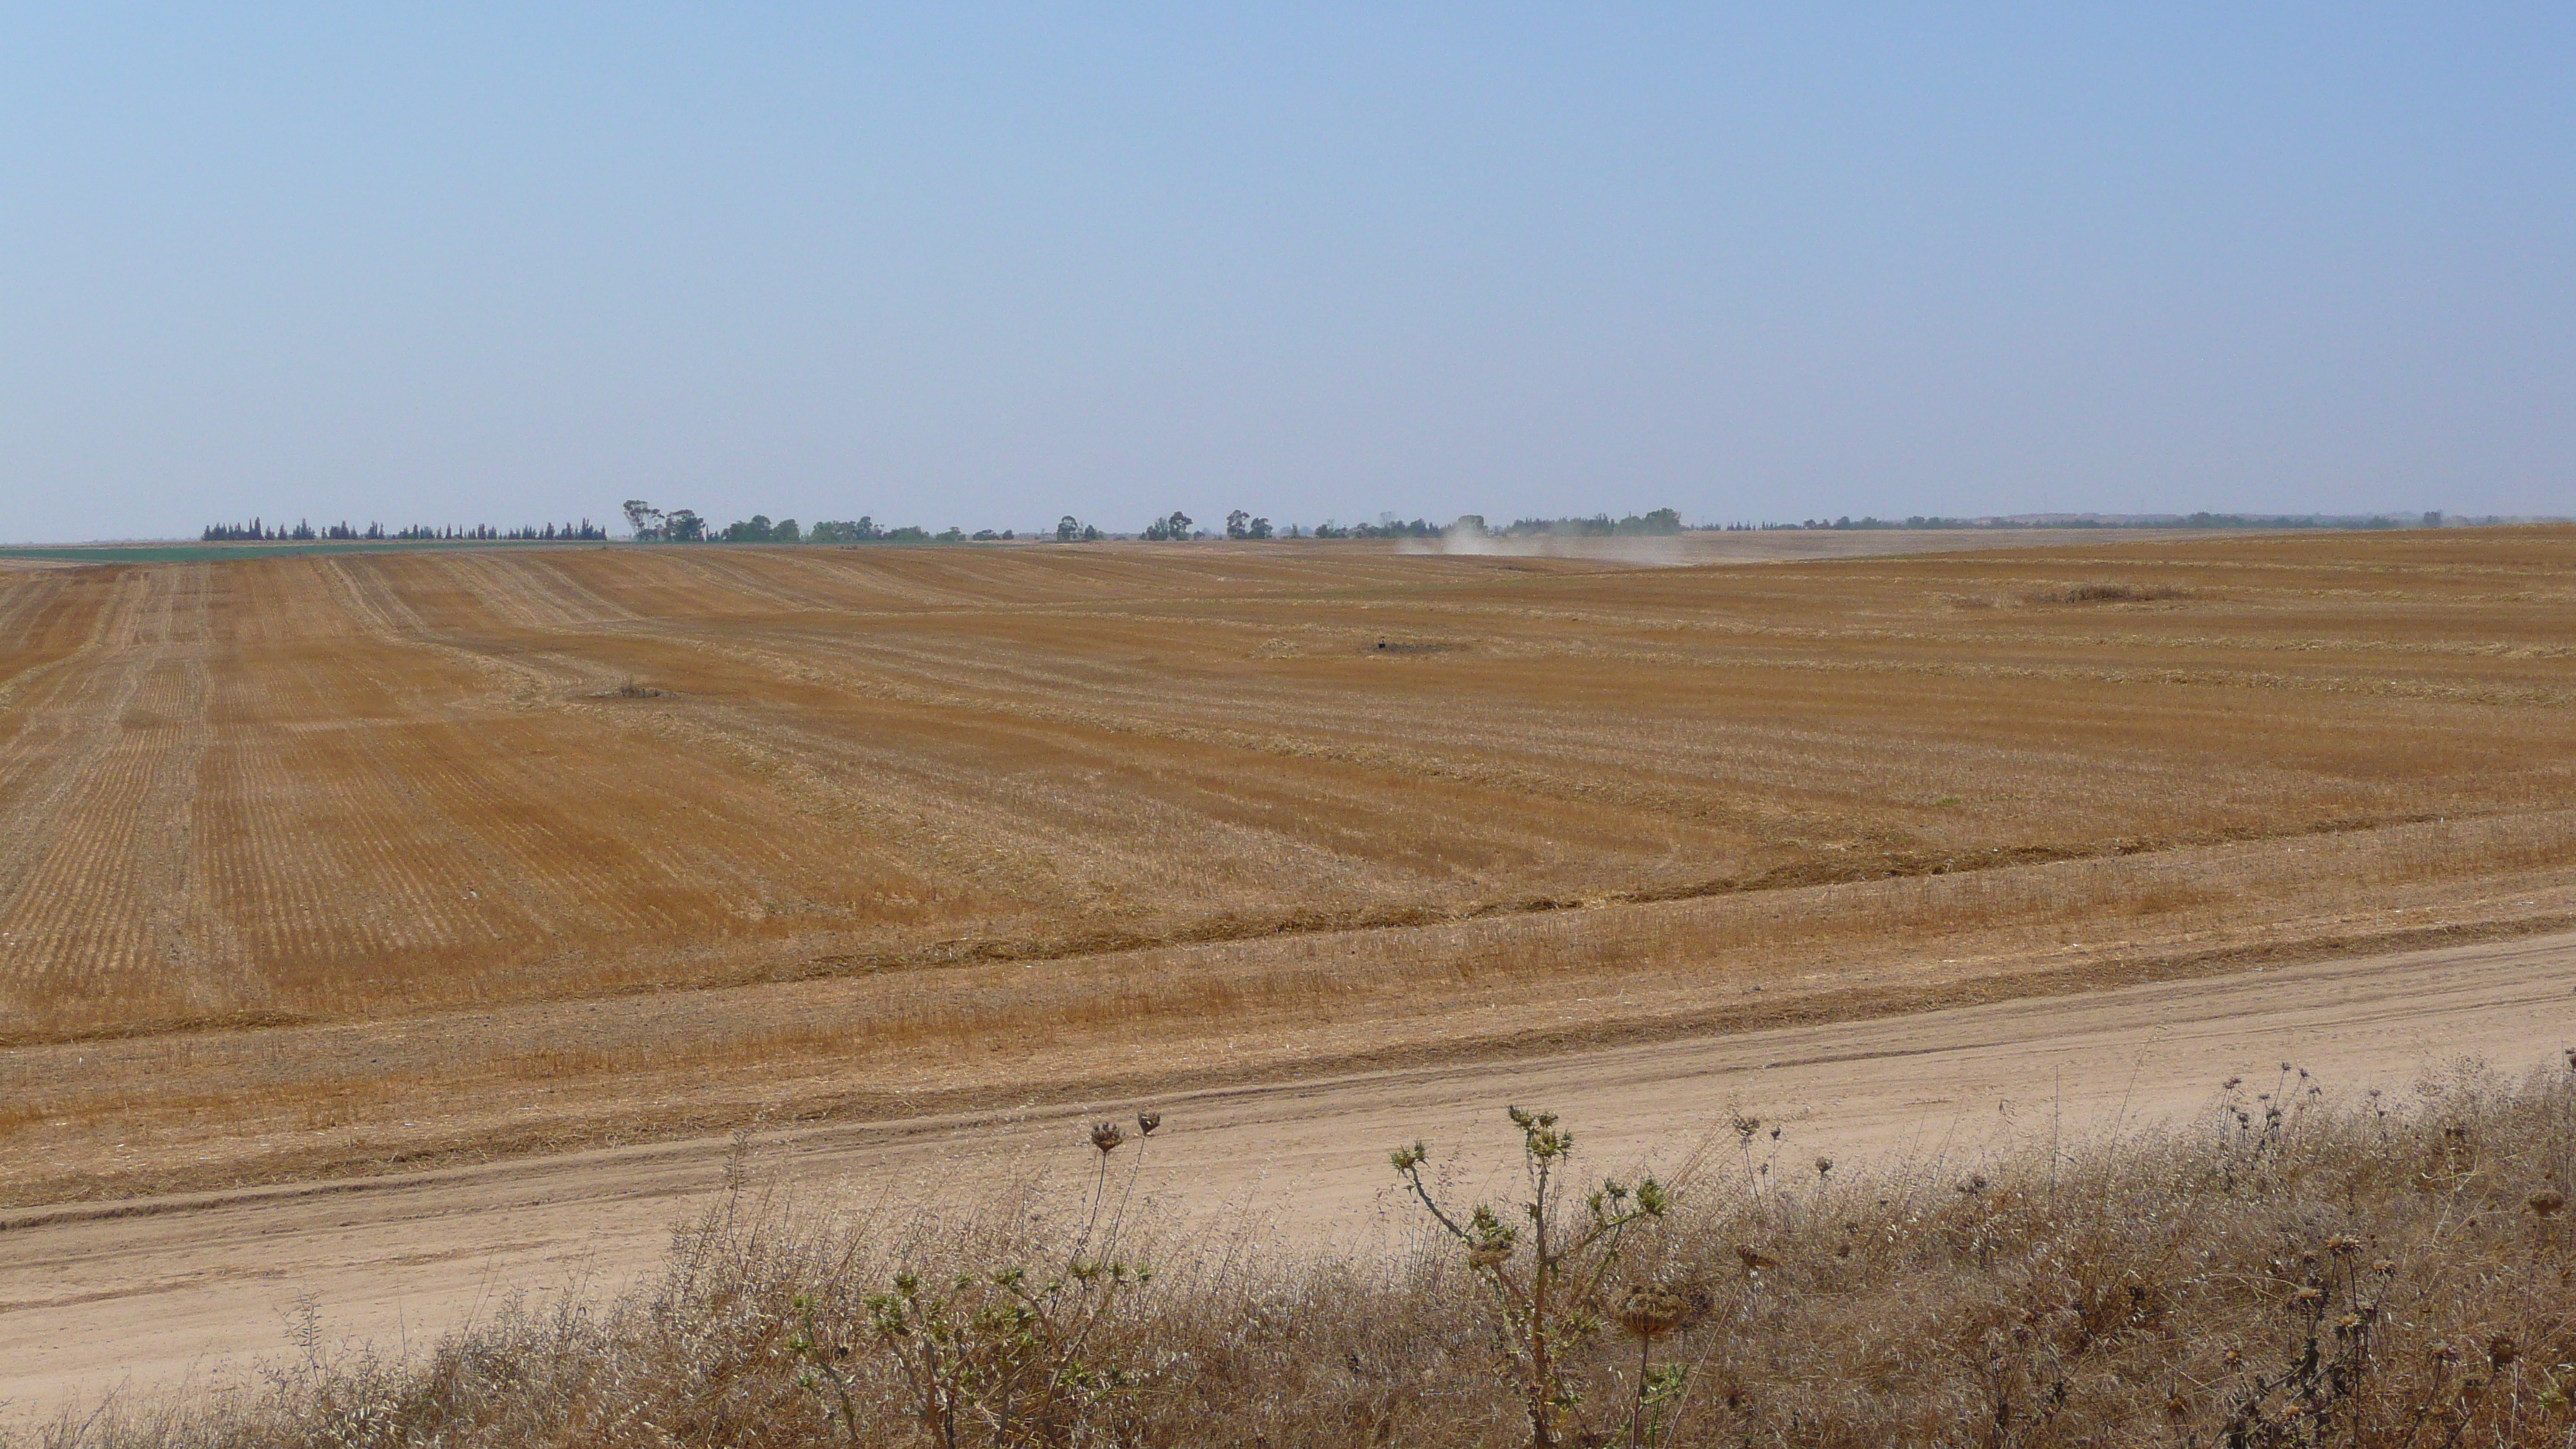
{"x": 258, "y": 531}
{"x": 1176, "y": 526}
{"x": 654, "y": 525}
{"x": 1600, "y": 525}
{"x": 1385, "y": 527}
{"x": 685, "y": 525}
{"x": 2124, "y": 520}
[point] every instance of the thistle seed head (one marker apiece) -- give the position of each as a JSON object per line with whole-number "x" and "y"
{"x": 1106, "y": 1136}
{"x": 1649, "y": 1311}
{"x": 1146, "y": 1122}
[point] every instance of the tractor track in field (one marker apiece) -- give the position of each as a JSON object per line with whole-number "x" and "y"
{"x": 148, "y": 1293}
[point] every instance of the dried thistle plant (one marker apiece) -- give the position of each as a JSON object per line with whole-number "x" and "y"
{"x": 1544, "y": 1306}
{"x": 1647, "y": 1312}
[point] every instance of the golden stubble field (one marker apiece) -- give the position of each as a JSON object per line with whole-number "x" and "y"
{"x": 324, "y": 864}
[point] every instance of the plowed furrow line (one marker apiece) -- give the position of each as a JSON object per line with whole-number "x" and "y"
{"x": 467, "y": 580}
{"x": 583, "y": 602}
{"x": 472, "y": 862}
{"x": 287, "y": 892}
{"x": 642, "y": 583}
{"x": 505, "y": 883}
{"x": 1328, "y": 737}
{"x": 370, "y": 599}
{"x": 738, "y": 578}
{"x": 1114, "y": 840}
{"x": 823, "y": 580}
{"x": 499, "y": 784}
{"x": 2020, "y": 638}
{"x": 24, "y": 601}
{"x": 98, "y": 912}
{"x": 528, "y": 867}
{"x": 388, "y": 842}
{"x": 299, "y": 831}
{"x": 169, "y": 814}
{"x": 260, "y": 904}
{"x": 885, "y": 802}
{"x": 61, "y": 758}
{"x": 56, "y": 656}
{"x": 1010, "y": 833}
{"x": 660, "y": 583}
{"x": 254, "y": 891}
{"x": 1529, "y": 749}
{"x": 523, "y": 591}
{"x": 311, "y": 899}
{"x": 932, "y": 692}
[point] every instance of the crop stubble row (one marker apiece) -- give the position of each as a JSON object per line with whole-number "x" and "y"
{"x": 324, "y": 786}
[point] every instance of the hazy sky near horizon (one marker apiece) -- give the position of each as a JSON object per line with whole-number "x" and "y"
{"x": 984, "y": 265}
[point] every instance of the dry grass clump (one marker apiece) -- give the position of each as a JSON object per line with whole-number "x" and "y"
{"x": 2288, "y": 1271}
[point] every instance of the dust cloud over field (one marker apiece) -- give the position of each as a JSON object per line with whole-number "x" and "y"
{"x": 342, "y": 863}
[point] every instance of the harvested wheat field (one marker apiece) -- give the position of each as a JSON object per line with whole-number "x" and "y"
{"x": 339, "y": 864}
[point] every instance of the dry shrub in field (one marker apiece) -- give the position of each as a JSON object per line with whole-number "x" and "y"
{"x": 1548, "y": 1303}
{"x": 2287, "y": 1271}
{"x": 999, "y": 1355}
{"x": 2107, "y": 592}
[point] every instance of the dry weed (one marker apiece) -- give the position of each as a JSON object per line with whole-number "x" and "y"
{"x": 2292, "y": 1271}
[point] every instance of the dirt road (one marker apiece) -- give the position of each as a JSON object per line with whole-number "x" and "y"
{"x": 175, "y": 1287}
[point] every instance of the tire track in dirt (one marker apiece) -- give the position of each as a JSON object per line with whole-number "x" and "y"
{"x": 146, "y": 1292}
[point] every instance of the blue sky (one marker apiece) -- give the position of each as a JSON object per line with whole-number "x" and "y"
{"x": 985, "y": 265}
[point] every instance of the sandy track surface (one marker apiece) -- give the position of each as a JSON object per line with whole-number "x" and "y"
{"x": 151, "y": 1291}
